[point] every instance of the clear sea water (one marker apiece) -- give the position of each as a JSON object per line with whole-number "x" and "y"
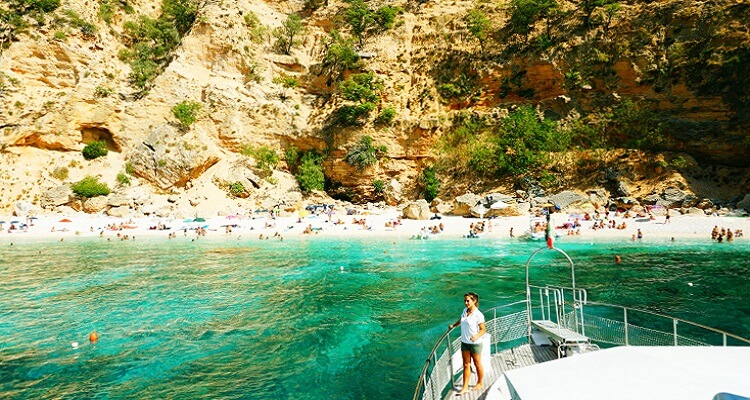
{"x": 313, "y": 318}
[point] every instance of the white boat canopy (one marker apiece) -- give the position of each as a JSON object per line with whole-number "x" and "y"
{"x": 631, "y": 372}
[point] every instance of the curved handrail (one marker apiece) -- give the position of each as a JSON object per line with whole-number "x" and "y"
{"x": 708, "y": 328}
{"x": 423, "y": 377}
{"x": 443, "y": 337}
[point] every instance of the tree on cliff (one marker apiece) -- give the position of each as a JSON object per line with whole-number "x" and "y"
{"x": 286, "y": 35}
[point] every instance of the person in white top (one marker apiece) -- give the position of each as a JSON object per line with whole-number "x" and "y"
{"x": 472, "y": 328}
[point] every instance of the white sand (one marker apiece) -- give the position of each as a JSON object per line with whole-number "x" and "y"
{"x": 250, "y": 228}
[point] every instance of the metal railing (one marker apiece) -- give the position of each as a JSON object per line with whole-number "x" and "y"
{"x": 602, "y": 323}
{"x": 438, "y": 371}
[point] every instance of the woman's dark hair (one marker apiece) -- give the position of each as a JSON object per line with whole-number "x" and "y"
{"x": 474, "y": 297}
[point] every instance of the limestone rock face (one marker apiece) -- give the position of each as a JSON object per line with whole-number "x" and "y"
{"x": 120, "y": 212}
{"x": 59, "y": 94}
{"x": 567, "y": 198}
{"x": 117, "y": 200}
{"x": 462, "y": 204}
{"x": 95, "y": 204}
{"x": 673, "y": 198}
{"x": 393, "y": 192}
{"x": 745, "y": 203}
{"x": 441, "y": 207}
{"x": 419, "y": 209}
{"x": 598, "y": 197}
{"x": 23, "y": 208}
{"x": 169, "y": 157}
{"x": 56, "y": 196}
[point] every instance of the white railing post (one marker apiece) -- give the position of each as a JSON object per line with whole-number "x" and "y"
{"x": 675, "y": 330}
{"x": 625, "y": 314}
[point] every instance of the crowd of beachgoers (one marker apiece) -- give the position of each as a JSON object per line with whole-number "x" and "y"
{"x": 270, "y": 225}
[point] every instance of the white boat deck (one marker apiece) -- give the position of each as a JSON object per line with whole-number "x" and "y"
{"x": 506, "y": 360}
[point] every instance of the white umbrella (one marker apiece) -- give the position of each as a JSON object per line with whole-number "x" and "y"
{"x": 499, "y": 205}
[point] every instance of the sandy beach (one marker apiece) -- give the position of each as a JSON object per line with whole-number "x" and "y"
{"x": 385, "y": 224}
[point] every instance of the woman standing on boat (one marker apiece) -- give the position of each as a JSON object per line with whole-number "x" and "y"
{"x": 472, "y": 328}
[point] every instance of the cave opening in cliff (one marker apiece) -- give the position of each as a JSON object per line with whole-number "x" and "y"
{"x": 92, "y": 134}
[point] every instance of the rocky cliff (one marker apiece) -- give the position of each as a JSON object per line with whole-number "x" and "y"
{"x": 65, "y": 82}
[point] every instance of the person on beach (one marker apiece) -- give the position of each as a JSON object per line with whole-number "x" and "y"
{"x": 472, "y": 328}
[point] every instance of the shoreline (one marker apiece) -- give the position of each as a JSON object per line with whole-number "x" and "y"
{"x": 281, "y": 228}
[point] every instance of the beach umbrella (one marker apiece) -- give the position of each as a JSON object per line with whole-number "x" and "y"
{"x": 499, "y": 205}
{"x": 199, "y": 219}
{"x": 303, "y": 213}
{"x": 14, "y": 222}
{"x": 65, "y": 220}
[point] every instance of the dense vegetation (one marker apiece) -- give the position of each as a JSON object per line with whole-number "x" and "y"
{"x": 90, "y": 187}
{"x": 94, "y": 150}
{"x": 151, "y": 42}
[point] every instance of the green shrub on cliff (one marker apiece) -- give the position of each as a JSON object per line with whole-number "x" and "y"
{"x": 310, "y": 172}
{"x": 95, "y": 150}
{"x": 431, "y": 184}
{"x": 186, "y": 112}
{"x": 90, "y": 187}
{"x": 287, "y": 34}
{"x": 364, "y": 154}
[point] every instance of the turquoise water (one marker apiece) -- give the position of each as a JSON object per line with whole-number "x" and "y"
{"x": 319, "y": 318}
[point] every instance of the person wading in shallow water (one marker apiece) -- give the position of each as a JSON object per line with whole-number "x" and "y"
{"x": 472, "y": 328}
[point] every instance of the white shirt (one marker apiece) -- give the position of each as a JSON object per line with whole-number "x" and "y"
{"x": 470, "y": 325}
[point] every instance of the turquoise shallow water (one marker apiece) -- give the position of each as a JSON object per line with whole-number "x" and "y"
{"x": 319, "y": 318}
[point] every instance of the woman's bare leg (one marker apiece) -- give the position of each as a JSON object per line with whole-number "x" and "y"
{"x": 480, "y": 370}
{"x": 466, "y": 356}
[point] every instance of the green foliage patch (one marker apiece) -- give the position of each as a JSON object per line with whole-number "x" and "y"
{"x": 287, "y": 34}
{"x": 265, "y": 157}
{"x": 186, "y": 112}
{"x": 365, "y": 154}
{"x": 339, "y": 58}
{"x": 431, "y": 184}
{"x": 89, "y": 187}
{"x": 150, "y": 42}
{"x": 310, "y": 172}
{"x": 95, "y": 150}
{"x": 123, "y": 179}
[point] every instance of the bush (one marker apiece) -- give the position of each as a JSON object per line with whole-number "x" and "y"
{"x": 90, "y": 187}
{"x": 364, "y": 154}
{"x": 181, "y": 13}
{"x": 60, "y": 173}
{"x": 291, "y": 155}
{"x": 287, "y": 81}
{"x": 123, "y": 179}
{"x": 286, "y": 35}
{"x": 386, "y": 15}
{"x": 95, "y": 150}
{"x": 379, "y": 186}
{"x": 386, "y": 116}
{"x": 341, "y": 56}
{"x": 103, "y": 91}
{"x": 310, "y": 172}
{"x": 186, "y": 112}
{"x": 362, "y": 88}
{"x": 529, "y": 138}
{"x": 237, "y": 189}
{"x": 258, "y": 31}
{"x": 353, "y": 115}
{"x": 431, "y": 184}
{"x": 266, "y": 158}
